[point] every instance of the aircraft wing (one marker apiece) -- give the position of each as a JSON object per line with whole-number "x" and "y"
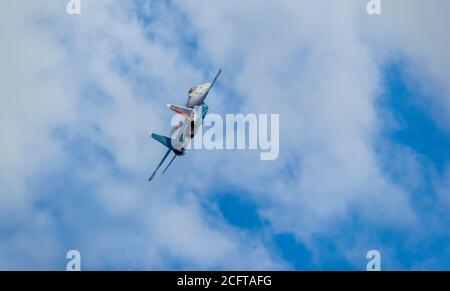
{"x": 212, "y": 84}
{"x": 186, "y": 112}
{"x": 170, "y": 163}
{"x": 157, "y": 168}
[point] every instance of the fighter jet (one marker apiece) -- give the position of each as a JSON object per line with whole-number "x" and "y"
{"x": 194, "y": 112}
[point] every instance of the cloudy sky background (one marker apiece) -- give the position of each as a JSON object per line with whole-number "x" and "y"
{"x": 364, "y": 104}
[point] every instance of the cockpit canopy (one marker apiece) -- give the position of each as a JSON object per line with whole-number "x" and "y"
{"x": 192, "y": 90}
{"x": 196, "y": 94}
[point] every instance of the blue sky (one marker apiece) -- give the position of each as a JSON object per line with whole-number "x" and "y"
{"x": 364, "y": 137}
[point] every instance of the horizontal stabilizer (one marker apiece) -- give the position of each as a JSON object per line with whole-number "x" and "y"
{"x": 186, "y": 112}
{"x": 164, "y": 140}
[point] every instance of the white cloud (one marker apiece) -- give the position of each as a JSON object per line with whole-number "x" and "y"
{"x": 316, "y": 64}
{"x": 416, "y": 31}
{"x": 105, "y": 75}
{"x": 55, "y": 60}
